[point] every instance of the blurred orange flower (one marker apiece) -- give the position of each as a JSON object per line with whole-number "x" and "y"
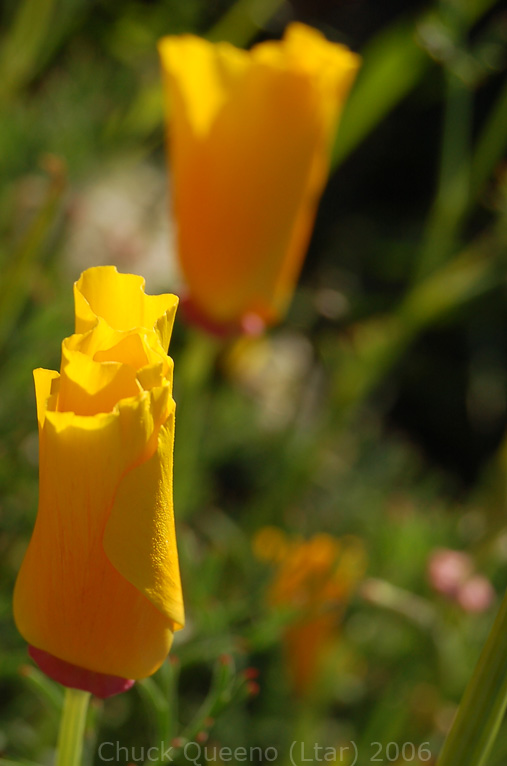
{"x": 99, "y": 588}
{"x": 249, "y": 141}
{"x": 316, "y": 578}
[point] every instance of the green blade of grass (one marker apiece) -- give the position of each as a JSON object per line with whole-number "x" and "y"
{"x": 491, "y": 144}
{"x": 482, "y": 708}
{"x": 18, "y": 273}
{"x": 21, "y": 46}
{"x": 243, "y": 20}
{"x": 394, "y": 61}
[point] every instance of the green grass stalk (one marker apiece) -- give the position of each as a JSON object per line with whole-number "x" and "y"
{"x": 484, "y": 702}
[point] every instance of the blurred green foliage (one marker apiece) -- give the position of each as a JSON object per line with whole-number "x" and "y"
{"x": 377, "y": 410}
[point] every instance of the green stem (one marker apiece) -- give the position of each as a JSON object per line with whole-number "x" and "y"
{"x": 482, "y": 708}
{"x": 243, "y": 20}
{"x": 194, "y": 370}
{"x": 452, "y": 198}
{"x": 72, "y": 725}
{"x": 491, "y": 143}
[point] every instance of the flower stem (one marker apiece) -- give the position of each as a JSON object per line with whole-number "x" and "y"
{"x": 72, "y": 725}
{"x": 482, "y": 708}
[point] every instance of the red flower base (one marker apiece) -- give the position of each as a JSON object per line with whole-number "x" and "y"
{"x": 250, "y": 324}
{"x": 100, "y": 684}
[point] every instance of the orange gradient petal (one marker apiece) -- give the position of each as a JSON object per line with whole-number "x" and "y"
{"x": 249, "y": 157}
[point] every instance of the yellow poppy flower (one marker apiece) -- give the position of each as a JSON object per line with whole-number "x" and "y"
{"x": 249, "y": 141}
{"x": 99, "y": 587}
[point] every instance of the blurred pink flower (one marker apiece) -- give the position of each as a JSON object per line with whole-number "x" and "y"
{"x": 452, "y": 574}
{"x": 448, "y": 570}
{"x": 476, "y": 595}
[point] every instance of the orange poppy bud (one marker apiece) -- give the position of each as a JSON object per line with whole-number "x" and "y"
{"x": 99, "y": 587}
{"x": 249, "y": 142}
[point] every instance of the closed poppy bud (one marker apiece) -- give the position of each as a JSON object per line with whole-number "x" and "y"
{"x": 249, "y": 141}
{"x": 99, "y": 594}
